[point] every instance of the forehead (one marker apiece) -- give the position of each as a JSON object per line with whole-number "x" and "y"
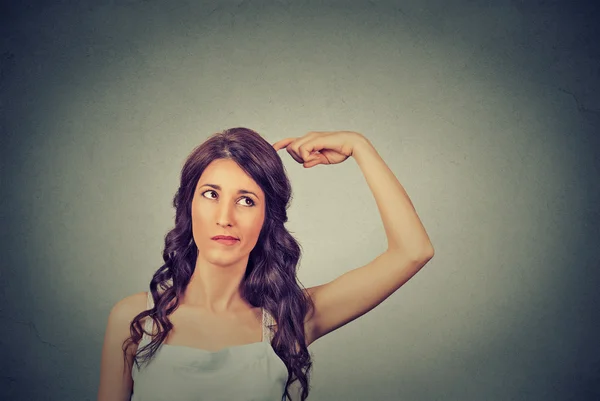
{"x": 227, "y": 174}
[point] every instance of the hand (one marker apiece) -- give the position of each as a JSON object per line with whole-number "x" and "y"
{"x": 314, "y": 148}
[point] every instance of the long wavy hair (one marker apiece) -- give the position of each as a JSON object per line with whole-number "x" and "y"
{"x": 270, "y": 279}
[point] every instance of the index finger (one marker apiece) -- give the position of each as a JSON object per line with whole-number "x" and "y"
{"x": 283, "y": 143}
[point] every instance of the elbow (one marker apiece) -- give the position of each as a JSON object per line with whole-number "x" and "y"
{"x": 429, "y": 251}
{"x": 422, "y": 255}
{"x": 426, "y": 253}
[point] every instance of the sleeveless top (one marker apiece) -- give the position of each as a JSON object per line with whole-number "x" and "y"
{"x": 247, "y": 372}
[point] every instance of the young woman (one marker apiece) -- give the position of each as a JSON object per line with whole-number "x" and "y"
{"x": 225, "y": 317}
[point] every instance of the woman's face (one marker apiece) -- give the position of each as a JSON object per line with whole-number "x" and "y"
{"x": 227, "y": 201}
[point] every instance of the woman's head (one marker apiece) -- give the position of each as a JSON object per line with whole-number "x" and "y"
{"x": 209, "y": 196}
{"x": 228, "y": 202}
{"x": 208, "y": 203}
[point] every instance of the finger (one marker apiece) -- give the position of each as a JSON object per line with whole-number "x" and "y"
{"x": 320, "y": 157}
{"x": 309, "y": 148}
{"x": 294, "y": 149}
{"x": 294, "y": 154}
{"x": 311, "y": 163}
{"x": 283, "y": 143}
{"x": 299, "y": 146}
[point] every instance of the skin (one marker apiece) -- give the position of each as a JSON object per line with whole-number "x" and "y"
{"x": 220, "y": 268}
{"x": 212, "y": 314}
{"x": 213, "y": 297}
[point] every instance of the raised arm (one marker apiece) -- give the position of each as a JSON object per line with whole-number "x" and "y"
{"x": 115, "y": 380}
{"x": 408, "y": 246}
{"x": 405, "y": 233}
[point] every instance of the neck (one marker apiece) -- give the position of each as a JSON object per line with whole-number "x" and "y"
{"x": 216, "y": 288}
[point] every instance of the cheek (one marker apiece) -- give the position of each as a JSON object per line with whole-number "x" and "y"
{"x": 201, "y": 211}
{"x": 199, "y": 214}
{"x": 253, "y": 225}
{"x": 200, "y": 223}
{"x": 258, "y": 225}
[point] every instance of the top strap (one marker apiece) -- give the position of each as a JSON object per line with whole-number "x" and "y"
{"x": 149, "y": 325}
{"x": 267, "y": 321}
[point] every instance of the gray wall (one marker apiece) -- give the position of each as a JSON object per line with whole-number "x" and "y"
{"x": 487, "y": 112}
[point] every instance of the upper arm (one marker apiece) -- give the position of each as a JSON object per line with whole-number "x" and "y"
{"x": 356, "y": 292}
{"x": 115, "y": 380}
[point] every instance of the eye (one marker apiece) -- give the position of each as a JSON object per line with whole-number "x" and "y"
{"x": 251, "y": 201}
{"x": 208, "y": 192}
{"x": 243, "y": 198}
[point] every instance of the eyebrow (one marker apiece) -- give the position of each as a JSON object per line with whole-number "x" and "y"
{"x": 240, "y": 191}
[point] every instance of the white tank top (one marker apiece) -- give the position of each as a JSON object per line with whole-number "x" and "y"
{"x": 247, "y": 372}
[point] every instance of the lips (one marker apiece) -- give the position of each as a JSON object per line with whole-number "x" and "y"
{"x": 227, "y": 237}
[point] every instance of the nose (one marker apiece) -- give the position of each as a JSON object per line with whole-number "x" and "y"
{"x": 224, "y": 215}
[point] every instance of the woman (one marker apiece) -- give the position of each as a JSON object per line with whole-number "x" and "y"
{"x": 229, "y": 277}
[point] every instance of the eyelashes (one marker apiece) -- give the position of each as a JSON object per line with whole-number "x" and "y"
{"x": 252, "y": 203}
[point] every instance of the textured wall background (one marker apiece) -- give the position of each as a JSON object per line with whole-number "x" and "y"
{"x": 487, "y": 111}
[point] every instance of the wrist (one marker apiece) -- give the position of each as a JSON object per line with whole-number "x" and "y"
{"x": 361, "y": 144}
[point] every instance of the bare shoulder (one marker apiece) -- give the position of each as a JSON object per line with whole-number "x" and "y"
{"x": 122, "y": 314}
{"x": 115, "y": 381}
{"x": 129, "y": 307}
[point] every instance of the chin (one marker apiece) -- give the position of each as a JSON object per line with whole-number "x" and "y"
{"x": 219, "y": 258}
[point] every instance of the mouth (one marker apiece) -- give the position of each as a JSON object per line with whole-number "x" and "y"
{"x": 225, "y": 237}
{"x": 225, "y": 240}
